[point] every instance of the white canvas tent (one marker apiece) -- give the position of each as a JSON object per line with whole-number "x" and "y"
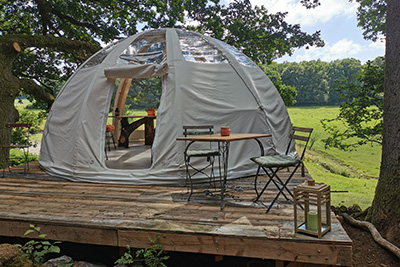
{"x": 204, "y": 82}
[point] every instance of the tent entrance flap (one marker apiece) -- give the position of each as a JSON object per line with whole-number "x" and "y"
{"x": 137, "y": 71}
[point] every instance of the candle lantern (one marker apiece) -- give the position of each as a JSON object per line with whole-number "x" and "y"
{"x": 315, "y": 200}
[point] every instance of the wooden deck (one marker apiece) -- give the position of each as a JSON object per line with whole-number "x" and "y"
{"x": 117, "y": 215}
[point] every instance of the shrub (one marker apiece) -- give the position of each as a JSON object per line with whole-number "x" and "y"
{"x": 17, "y": 157}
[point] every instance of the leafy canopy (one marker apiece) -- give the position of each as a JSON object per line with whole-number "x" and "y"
{"x": 287, "y": 92}
{"x": 262, "y": 36}
{"x": 362, "y": 112}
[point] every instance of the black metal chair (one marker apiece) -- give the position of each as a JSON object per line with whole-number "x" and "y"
{"x": 203, "y": 152}
{"x": 273, "y": 164}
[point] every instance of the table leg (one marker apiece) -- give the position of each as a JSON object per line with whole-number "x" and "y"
{"x": 261, "y": 146}
{"x": 149, "y": 131}
{"x": 124, "y": 136}
{"x": 223, "y": 148}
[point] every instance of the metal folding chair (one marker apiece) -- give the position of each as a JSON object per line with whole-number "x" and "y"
{"x": 209, "y": 153}
{"x": 23, "y": 144}
{"x": 273, "y": 164}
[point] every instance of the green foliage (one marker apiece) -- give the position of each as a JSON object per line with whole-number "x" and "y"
{"x": 127, "y": 258}
{"x": 261, "y": 36}
{"x": 17, "y": 157}
{"x": 339, "y": 71}
{"x": 36, "y": 250}
{"x": 145, "y": 93}
{"x": 151, "y": 257}
{"x": 316, "y": 82}
{"x": 20, "y": 135}
{"x": 93, "y": 22}
{"x": 362, "y": 114}
{"x": 288, "y": 93}
{"x": 310, "y": 80}
{"x": 371, "y": 16}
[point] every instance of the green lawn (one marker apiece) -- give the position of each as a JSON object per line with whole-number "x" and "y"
{"x": 352, "y": 171}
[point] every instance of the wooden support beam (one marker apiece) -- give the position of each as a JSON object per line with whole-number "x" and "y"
{"x": 61, "y": 233}
{"x": 250, "y": 247}
{"x": 219, "y": 258}
{"x": 298, "y": 264}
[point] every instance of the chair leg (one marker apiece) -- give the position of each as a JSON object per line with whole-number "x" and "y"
{"x": 271, "y": 178}
{"x": 284, "y": 186}
{"x": 189, "y": 175}
{"x": 212, "y": 174}
{"x": 265, "y": 187}
{"x": 7, "y": 164}
{"x": 108, "y": 141}
{"x": 112, "y": 138}
{"x": 26, "y": 164}
{"x": 255, "y": 180}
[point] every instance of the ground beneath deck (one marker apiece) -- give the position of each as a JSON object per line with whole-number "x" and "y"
{"x": 366, "y": 252}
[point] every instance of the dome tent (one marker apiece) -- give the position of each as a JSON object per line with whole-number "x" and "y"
{"x": 204, "y": 82}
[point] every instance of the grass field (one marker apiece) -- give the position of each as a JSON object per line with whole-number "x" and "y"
{"x": 353, "y": 171}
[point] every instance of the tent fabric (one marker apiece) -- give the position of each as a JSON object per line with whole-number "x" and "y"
{"x": 227, "y": 89}
{"x": 137, "y": 71}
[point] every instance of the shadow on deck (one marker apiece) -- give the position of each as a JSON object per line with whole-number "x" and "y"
{"x": 118, "y": 215}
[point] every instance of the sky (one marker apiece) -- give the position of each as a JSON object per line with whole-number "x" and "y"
{"x": 337, "y": 21}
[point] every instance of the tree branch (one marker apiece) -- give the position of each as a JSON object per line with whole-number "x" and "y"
{"x": 73, "y": 21}
{"x": 63, "y": 44}
{"x": 32, "y": 88}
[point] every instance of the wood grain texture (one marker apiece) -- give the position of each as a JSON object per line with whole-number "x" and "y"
{"x": 118, "y": 215}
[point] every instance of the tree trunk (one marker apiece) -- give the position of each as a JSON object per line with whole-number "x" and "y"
{"x": 11, "y": 46}
{"x": 385, "y": 211}
{"x": 9, "y": 89}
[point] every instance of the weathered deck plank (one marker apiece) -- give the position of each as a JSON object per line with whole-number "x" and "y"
{"x": 118, "y": 215}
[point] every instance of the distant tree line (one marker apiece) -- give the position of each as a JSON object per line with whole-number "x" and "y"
{"x": 317, "y": 83}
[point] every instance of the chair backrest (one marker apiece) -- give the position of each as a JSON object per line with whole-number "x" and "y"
{"x": 198, "y": 130}
{"x": 300, "y": 134}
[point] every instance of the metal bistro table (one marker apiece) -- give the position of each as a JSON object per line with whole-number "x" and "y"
{"x": 223, "y": 148}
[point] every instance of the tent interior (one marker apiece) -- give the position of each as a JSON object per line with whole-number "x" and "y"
{"x": 132, "y": 98}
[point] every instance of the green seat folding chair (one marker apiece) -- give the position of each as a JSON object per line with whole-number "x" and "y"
{"x": 204, "y": 152}
{"x": 273, "y": 164}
